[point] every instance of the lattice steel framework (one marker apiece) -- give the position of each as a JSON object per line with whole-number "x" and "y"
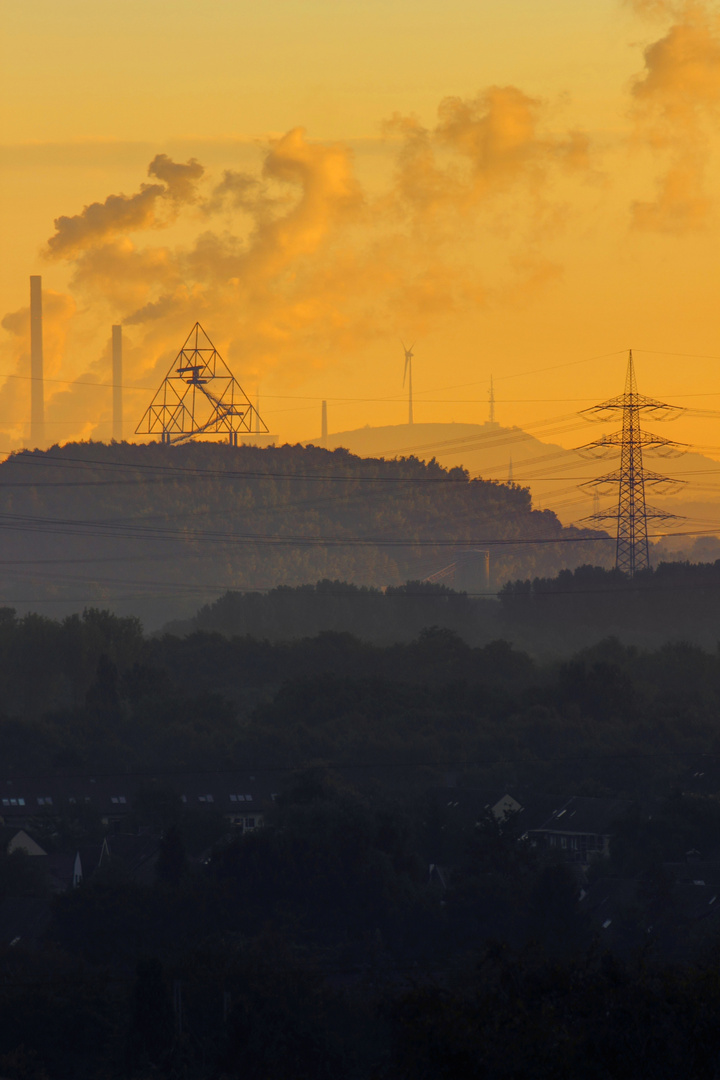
{"x": 632, "y": 512}
{"x": 200, "y": 396}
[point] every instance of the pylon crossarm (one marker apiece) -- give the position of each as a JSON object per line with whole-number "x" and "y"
{"x": 653, "y": 513}
{"x": 602, "y": 448}
{"x": 610, "y": 408}
{"x": 599, "y": 517}
{"x": 619, "y": 476}
{"x": 656, "y": 444}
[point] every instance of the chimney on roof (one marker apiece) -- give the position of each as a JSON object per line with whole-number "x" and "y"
{"x": 37, "y": 387}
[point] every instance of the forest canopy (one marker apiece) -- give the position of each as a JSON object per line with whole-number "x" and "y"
{"x": 157, "y": 530}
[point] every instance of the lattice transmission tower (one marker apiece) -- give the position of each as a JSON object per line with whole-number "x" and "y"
{"x": 200, "y": 396}
{"x": 632, "y": 512}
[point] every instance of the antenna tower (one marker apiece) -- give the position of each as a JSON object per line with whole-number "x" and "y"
{"x": 199, "y": 396}
{"x": 491, "y": 398}
{"x": 632, "y": 513}
{"x": 408, "y": 374}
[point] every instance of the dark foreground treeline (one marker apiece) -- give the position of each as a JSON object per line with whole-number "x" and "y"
{"x": 350, "y": 968}
{"x": 674, "y": 602}
{"x": 320, "y": 945}
{"x": 92, "y": 693}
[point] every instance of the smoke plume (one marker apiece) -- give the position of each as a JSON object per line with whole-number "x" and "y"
{"x": 495, "y": 142}
{"x": 154, "y": 206}
{"x": 676, "y": 101}
{"x": 294, "y": 264}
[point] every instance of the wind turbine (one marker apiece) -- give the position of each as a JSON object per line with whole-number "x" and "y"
{"x": 407, "y": 374}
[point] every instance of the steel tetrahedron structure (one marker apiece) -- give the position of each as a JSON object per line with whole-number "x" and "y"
{"x": 632, "y": 512}
{"x": 200, "y": 396}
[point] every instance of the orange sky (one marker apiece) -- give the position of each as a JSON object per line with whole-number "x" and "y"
{"x": 514, "y": 186}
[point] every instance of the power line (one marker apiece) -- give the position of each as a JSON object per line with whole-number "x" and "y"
{"x": 110, "y": 529}
{"x": 370, "y": 593}
{"x": 34, "y": 458}
{"x": 74, "y": 527}
{"x": 341, "y": 400}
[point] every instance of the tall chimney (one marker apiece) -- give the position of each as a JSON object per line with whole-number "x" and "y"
{"x": 37, "y": 389}
{"x": 324, "y": 425}
{"x": 117, "y": 374}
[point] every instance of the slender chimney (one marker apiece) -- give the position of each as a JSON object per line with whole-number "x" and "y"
{"x": 117, "y": 376}
{"x": 37, "y": 394}
{"x": 323, "y": 429}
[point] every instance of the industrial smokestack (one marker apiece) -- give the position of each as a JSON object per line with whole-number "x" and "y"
{"x": 323, "y": 437}
{"x": 117, "y": 374}
{"x": 37, "y": 388}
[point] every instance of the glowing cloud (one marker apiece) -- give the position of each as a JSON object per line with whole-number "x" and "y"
{"x": 674, "y": 99}
{"x": 294, "y": 264}
{"x": 497, "y": 135}
{"x": 307, "y": 264}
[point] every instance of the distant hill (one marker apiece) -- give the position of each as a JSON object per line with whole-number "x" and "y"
{"x": 159, "y": 530}
{"x": 551, "y": 472}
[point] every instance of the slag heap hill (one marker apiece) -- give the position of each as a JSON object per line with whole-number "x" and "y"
{"x": 158, "y": 530}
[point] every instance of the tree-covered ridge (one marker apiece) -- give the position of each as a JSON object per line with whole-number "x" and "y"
{"x": 673, "y": 601}
{"x": 546, "y": 616}
{"x": 131, "y": 525}
{"x": 93, "y": 694}
{"x": 381, "y": 616}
